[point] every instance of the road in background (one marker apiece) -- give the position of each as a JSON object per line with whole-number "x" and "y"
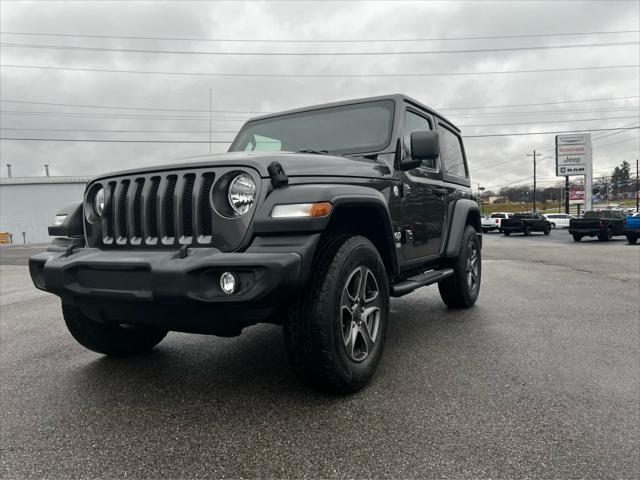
{"x": 539, "y": 379}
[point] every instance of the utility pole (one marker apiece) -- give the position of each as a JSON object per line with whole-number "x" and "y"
{"x": 210, "y": 116}
{"x": 534, "y": 155}
{"x": 566, "y": 195}
{"x": 637, "y": 190}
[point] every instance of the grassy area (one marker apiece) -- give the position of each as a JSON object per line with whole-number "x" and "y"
{"x": 548, "y": 207}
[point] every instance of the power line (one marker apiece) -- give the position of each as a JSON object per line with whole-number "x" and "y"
{"x": 322, "y": 75}
{"x": 97, "y": 140}
{"x": 115, "y": 115}
{"x": 81, "y": 130}
{"x": 541, "y": 112}
{"x": 111, "y": 107}
{"x": 369, "y": 40}
{"x": 315, "y": 54}
{"x": 516, "y": 134}
{"x": 229, "y": 141}
{"x": 553, "y": 121}
{"x": 542, "y": 103}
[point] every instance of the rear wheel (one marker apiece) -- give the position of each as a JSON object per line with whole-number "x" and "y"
{"x": 632, "y": 238}
{"x": 335, "y": 332}
{"x": 462, "y": 288}
{"x": 110, "y": 339}
{"x": 553, "y": 225}
{"x": 577, "y": 237}
{"x": 607, "y": 235}
{"x": 506, "y": 234}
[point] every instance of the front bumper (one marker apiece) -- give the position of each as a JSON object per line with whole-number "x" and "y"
{"x": 177, "y": 290}
{"x": 163, "y": 275}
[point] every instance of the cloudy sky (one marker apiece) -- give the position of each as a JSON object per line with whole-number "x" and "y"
{"x": 70, "y": 101}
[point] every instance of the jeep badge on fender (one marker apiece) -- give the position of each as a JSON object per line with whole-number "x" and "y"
{"x": 312, "y": 220}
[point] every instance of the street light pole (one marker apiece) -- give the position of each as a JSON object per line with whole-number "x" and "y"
{"x": 637, "y": 192}
{"x": 534, "y": 155}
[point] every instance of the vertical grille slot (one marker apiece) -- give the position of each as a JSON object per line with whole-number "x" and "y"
{"x": 151, "y": 210}
{"x": 167, "y": 209}
{"x": 120, "y": 211}
{"x": 187, "y": 205}
{"x": 205, "y": 218}
{"x": 136, "y": 212}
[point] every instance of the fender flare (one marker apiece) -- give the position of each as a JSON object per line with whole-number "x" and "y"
{"x": 461, "y": 210}
{"x": 340, "y": 196}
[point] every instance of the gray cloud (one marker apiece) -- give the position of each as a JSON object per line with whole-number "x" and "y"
{"x": 308, "y": 20}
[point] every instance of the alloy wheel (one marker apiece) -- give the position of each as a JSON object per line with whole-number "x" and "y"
{"x": 360, "y": 313}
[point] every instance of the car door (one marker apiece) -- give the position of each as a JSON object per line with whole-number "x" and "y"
{"x": 423, "y": 196}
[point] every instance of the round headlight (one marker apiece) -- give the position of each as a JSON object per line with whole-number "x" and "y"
{"x": 242, "y": 193}
{"x": 98, "y": 202}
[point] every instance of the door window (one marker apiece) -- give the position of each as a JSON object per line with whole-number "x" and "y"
{"x": 415, "y": 123}
{"x": 451, "y": 153}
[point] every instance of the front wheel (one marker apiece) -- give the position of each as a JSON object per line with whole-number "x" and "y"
{"x": 462, "y": 288}
{"x": 606, "y": 236}
{"x": 110, "y": 338}
{"x": 335, "y": 332}
{"x": 577, "y": 237}
{"x": 547, "y": 229}
{"x": 506, "y": 234}
{"x": 527, "y": 231}
{"x": 632, "y": 238}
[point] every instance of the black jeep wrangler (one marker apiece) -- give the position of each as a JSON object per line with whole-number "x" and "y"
{"x": 313, "y": 220}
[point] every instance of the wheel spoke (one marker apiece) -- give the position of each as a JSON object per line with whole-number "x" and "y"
{"x": 362, "y": 285}
{"x": 368, "y": 341}
{"x": 370, "y": 321}
{"x": 371, "y": 288}
{"x": 350, "y": 343}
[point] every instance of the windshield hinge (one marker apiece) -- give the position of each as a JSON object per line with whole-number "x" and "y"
{"x": 278, "y": 177}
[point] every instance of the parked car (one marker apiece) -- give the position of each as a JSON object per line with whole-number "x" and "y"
{"x": 315, "y": 218}
{"x": 497, "y": 218}
{"x": 605, "y": 224}
{"x": 526, "y": 223}
{"x": 559, "y": 220}
{"x": 632, "y": 227}
{"x": 488, "y": 224}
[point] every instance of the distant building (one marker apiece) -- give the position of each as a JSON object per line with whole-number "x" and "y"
{"x": 28, "y": 204}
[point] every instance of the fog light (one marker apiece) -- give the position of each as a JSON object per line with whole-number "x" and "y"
{"x": 228, "y": 283}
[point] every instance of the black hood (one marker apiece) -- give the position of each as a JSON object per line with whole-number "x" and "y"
{"x": 294, "y": 164}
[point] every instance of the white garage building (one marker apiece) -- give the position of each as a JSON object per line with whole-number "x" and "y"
{"x": 28, "y": 204}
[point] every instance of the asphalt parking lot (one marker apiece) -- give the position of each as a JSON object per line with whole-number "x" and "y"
{"x": 540, "y": 379}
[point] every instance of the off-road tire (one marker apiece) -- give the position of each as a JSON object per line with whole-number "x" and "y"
{"x": 313, "y": 328}
{"x": 110, "y": 339}
{"x": 547, "y": 230}
{"x": 577, "y": 237}
{"x": 456, "y": 290}
{"x": 607, "y": 235}
{"x": 632, "y": 238}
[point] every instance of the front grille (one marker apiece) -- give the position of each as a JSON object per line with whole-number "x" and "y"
{"x": 160, "y": 209}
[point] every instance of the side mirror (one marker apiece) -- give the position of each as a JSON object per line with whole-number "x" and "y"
{"x": 425, "y": 145}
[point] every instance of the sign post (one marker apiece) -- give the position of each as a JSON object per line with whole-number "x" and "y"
{"x": 574, "y": 157}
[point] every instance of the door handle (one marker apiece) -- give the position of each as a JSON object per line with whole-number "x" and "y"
{"x": 439, "y": 191}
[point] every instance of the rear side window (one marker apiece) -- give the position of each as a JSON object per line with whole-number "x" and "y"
{"x": 451, "y": 153}
{"x": 497, "y": 215}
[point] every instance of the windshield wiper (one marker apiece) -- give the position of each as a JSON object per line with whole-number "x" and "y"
{"x": 310, "y": 150}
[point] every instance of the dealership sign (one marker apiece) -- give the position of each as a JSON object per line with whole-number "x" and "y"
{"x": 573, "y": 154}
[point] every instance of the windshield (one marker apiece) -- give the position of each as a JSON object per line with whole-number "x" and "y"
{"x": 358, "y": 128}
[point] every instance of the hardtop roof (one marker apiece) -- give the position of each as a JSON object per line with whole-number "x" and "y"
{"x": 396, "y": 97}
